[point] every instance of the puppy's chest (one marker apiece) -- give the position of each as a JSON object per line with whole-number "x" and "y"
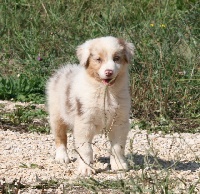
{"x": 101, "y": 105}
{"x": 106, "y": 102}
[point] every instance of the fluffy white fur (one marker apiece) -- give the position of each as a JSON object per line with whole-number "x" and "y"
{"x": 75, "y": 95}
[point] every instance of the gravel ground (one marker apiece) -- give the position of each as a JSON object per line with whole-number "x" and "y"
{"x": 30, "y": 156}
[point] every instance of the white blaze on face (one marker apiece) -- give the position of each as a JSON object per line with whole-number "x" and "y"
{"x": 109, "y": 65}
{"x": 109, "y": 52}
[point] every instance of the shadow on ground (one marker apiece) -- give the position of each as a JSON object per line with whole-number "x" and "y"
{"x": 138, "y": 161}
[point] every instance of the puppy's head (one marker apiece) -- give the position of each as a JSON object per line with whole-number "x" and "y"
{"x": 104, "y": 58}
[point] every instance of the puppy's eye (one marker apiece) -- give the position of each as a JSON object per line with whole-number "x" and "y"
{"x": 116, "y": 58}
{"x": 99, "y": 60}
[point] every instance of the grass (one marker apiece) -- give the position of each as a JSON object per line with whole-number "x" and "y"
{"x": 26, "y": 118}
{"x": 22, "y": 89}
{"x": 165, "y": 73}
{"x": 37, "y": 37}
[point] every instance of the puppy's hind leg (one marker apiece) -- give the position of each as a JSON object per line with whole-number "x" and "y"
{"x": 60, "y": 129}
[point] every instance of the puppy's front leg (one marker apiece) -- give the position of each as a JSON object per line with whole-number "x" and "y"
{"x": 118, "y": 136}
{"x": 83, "y": 135}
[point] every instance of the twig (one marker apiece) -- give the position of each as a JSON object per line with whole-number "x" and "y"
{"x": 106, "y": 130}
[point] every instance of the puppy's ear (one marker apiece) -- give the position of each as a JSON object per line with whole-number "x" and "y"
{"x": 129, "y": 51}
{"x": 128, "y": 48}
{"x": 83, "y": 53}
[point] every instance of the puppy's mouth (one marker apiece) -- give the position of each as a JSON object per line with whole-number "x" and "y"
{"x": 108, "y": 82}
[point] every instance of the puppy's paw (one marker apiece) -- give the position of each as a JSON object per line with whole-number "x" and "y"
{"x": 85, "y": 170}
{"x": 61, "y": 155}
{"x": 118, "y": 164}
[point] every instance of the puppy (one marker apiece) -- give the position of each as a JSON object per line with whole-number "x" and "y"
{"x": 92, "y": 98}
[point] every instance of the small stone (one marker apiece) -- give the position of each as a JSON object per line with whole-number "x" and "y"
{"x": 8, "y": 148}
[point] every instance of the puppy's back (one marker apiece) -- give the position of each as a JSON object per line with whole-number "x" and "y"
{"x": 57, "y": 84}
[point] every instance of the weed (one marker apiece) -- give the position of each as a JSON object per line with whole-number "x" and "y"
{"x": 27, "y": 118}
{"x": 11, "y": 188}
{"x": 22, "y": 88}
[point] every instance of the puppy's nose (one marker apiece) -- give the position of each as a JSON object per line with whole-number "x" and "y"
{"x": 108, "y": 72}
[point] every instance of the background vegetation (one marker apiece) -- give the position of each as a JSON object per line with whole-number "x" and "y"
{"x": 38, "y": 36}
